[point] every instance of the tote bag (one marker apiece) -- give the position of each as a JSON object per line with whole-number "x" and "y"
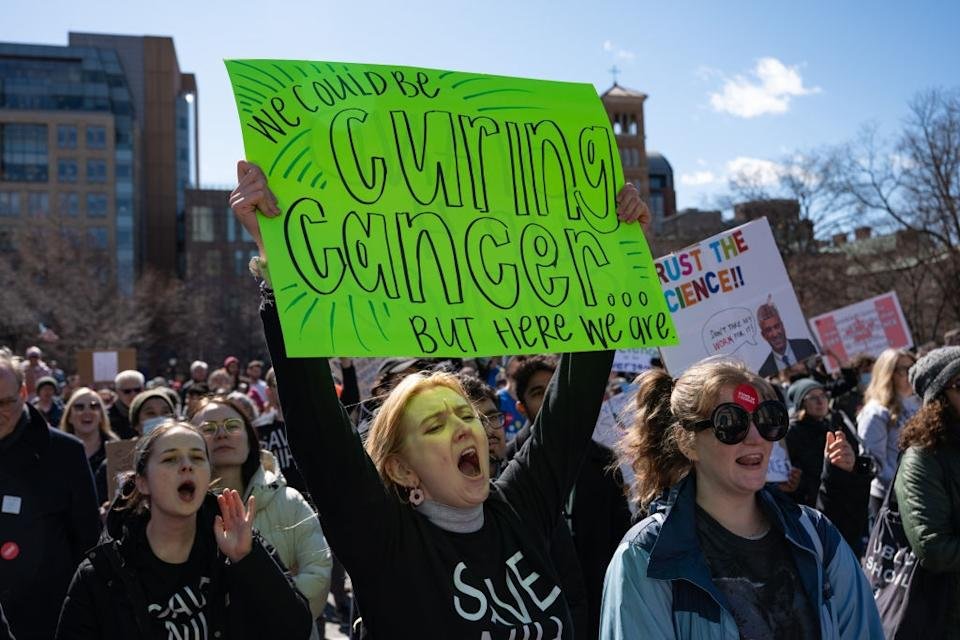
{"x": 910, "y": 599}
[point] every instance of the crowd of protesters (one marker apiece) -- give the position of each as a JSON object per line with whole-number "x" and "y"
{"x": 467, "y": 498}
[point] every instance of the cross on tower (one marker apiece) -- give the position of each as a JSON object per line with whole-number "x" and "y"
{"x": 614, "y": 71}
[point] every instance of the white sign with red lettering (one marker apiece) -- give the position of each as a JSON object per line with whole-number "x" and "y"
{"x": 868, "y": 327}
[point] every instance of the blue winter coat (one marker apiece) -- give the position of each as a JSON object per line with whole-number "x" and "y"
{"x": 658, "y": 584}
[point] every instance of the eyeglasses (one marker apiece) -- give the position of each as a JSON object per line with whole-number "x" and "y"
{"x": 230, "y": 426}
{"x": 731, "y": 422}
{"x": 816, "y": 397}
{"x": 494, "y": 420}
{"x": 93, "y": 405}
{"x": 131, "y": 390}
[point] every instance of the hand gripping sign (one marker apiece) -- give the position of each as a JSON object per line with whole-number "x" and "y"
{"x": 441, "y": 213}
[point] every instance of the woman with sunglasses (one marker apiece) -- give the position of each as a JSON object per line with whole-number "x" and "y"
{"x": 86, "y": 417}
{"x": 719, "y": 555}
{"x": 283, "y": 518}
{"x": 889, "y": 402}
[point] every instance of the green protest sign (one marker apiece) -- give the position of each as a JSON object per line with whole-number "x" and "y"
{"x": 442, "y": 213}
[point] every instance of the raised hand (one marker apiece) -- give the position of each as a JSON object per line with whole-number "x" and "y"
{"x": 233, "y": 528}
{"x": 630, "y": 207}
{"x": 793, "y": 481}
{"x": 251, "y": 195}
{"x": 839, "y": 452}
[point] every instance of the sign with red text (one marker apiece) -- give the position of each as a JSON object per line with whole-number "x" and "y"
{"x": 730, "y": 295}
{"x": 867, "y": 327}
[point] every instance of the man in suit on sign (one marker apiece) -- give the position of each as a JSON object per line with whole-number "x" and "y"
{"x": 784, "y": 352}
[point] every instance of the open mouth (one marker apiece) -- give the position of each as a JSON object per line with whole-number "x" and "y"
{"x": 187, "y": 490}
{"x": 752, "y": 460}
{"x": 469, "y": 463}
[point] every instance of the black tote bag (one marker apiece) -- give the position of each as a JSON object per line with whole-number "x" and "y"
{"x": 911, "y": 600}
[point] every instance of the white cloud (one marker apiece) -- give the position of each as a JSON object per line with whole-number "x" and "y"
{"x": 754, "y": 171}
{"x": 769, "y": 89}
{"x": 697, "y": 178}
{"x": 618, "y": 52}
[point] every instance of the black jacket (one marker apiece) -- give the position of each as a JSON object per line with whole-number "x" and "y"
{"x": 254, "y": 598}
{"x": 50, "y": 515}
{"x": 801, "y": 347}
{"x": 120, "y": 421}
{"x": 497, "y": 582}
{"x": 841, "y": 495}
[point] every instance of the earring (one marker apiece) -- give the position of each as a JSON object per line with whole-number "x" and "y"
{"x": 416, "y": 496}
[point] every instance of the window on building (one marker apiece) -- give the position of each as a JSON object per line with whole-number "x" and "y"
{"x": 98, "y": 237}
{"x": 96, "y": 170}
{"x": 38, "y": 203}
{"x": 212, "y": 263}
{"x": 67, "y": 170}
{"x": 617, "y": 126}
{"x": 68, "y": 204}
{"x": 202, "y": 223}
{"x": 66, "y": 136}
{"x": 231, "y": 226}
{"x": 97, "y": 204}
{"x": 123, "y": 170}
{"x": 239, "y": 262}
{"x": 96, "y": 137}
{"x": 24, "y": 156}
{"x": 656, "y": 182}
{"x": 656, "y": 205}
{"x": 9, "y": 203}
{"x": 6, "y": 240}
{"x": 632, "y": 126}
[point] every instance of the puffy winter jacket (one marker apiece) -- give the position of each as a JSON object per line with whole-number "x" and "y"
{"x": 290, "y": 525}
{"x": 928, "y": 494}
{"x": 658, "y": 584}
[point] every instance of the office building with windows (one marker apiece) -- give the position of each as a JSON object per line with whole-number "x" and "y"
{"x": 95, "y": 145}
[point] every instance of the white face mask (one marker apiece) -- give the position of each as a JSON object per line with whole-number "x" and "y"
{"x": 151, "y": 424}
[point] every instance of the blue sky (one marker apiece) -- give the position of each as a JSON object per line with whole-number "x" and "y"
{"x": 731, "y": 84}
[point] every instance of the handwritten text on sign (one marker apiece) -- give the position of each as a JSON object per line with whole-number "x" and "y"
{"x": 442, "y": 213}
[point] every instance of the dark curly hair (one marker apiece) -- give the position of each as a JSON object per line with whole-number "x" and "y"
{"x": 935, "y": 425}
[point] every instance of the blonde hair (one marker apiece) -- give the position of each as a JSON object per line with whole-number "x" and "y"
{"x": 654, "y": 445}
{"x": 386, "y": 433}
{"x": 883, "y": 386}
{"x": 106, "y": 432}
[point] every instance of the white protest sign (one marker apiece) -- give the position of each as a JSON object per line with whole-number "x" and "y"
{"x": 105, "y": 365}
{"x": 730, "y": 295}
{"x": 867, "y": 327}
{"x": 778, "y": 468}
{"x": 633, "y": 360}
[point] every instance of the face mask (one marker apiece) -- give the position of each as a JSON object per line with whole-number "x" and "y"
{"x": 153, "y": 423}
{"x": 865, "y": 379}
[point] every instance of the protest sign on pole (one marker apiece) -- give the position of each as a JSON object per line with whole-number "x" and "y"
{"x": 730, "y": 295}
{"x": 441, "y": 213}
{"x": 869, "y": 326}
{"x": 102, "y": 365}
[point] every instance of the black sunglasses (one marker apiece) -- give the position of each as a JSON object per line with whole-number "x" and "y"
{"x": 132, "y": 390}
{"x": 731, "y": 422}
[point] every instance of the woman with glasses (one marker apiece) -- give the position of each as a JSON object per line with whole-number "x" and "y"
{"x": 927, "y": 488}
{"x": 283, "y": 518}
{"x": 719, "y": 555}
{"x": 842, "y": 488}
{"x": 889, "y": 402}
{"x": 86, "y": 418}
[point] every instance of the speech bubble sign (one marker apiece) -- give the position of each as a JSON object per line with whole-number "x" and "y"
{"x": 728, "y": 330}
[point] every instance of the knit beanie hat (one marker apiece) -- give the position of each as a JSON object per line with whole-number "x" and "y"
{"x": 933, "y": 371}
{"x": 799, "y": 390}
{"x": 137, "y": 403}
{"x": 47, "y": 380}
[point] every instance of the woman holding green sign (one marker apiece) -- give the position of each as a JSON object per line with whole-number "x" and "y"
{"x": 424, "y": 534}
